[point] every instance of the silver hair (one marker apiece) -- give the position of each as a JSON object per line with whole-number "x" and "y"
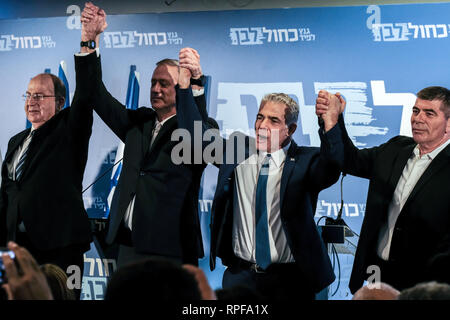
{"x": 291, "y": 113}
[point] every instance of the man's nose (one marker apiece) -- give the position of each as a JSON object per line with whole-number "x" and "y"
{"x": 156, "y": 87}
{"x": 419, "y": 117}
{"x": 264, "y": 124}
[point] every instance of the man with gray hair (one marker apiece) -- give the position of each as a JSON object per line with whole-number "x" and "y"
{"x": 264, "y": 204}
{"x": 154, "y": 210}
{"x": 406, "y": 227}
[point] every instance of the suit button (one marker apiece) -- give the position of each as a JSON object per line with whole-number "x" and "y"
{"x": 142, "y": 173}
{"x": 398, "y": 229}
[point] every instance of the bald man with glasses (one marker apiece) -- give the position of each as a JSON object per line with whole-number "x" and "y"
{"x": 41, "y": 205}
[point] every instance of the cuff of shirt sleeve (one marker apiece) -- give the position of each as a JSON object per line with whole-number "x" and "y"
{"x": 82, "y": 54}
{"x": 198, "y": 92}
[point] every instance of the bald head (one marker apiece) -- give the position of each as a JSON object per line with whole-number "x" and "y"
{"x": 46, "y": 98}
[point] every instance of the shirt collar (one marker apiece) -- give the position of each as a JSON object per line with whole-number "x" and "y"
{"x": 31, "y": 131}
{"x": 278, "y": 156}
{"x": 165, "y": 120}
{"x": 431, "y": 155}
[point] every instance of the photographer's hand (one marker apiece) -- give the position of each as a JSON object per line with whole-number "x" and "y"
{"x": 31, "y": 283}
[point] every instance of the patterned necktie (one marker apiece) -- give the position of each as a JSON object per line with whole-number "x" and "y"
{"x": 155, "y": 132}
{"x": 19, "y": 167}
{"x": 262, "y": 254}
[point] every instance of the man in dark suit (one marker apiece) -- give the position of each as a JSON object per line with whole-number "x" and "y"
{"x": 41, "y": 205}
{"x": 264, "y": 204}
{"x": 154, "y": 211}
{"x": 406, "y": 228}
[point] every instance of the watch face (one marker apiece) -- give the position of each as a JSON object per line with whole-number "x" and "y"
{"x": 90, "y": 44}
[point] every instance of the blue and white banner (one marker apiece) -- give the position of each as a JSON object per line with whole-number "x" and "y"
{"x": 378, "y": 57}
{"x": 62, "y": 74}
{"x": 1, "y": 162}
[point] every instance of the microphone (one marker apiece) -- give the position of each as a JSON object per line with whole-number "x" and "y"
{"x": 338, "y": 221}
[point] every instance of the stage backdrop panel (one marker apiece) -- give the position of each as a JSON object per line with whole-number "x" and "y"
{"x": 378, "y": 57}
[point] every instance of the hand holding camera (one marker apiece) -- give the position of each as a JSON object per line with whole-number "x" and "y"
{"x": 25, "y": 280}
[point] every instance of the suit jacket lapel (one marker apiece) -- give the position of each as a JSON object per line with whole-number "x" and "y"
{"x": 18, "y": 140}
{"x": 167, "y": 128}
{"x": 147, "y": 135}
{"x": 289, "y": 164}
{"x": 441, "y": 160}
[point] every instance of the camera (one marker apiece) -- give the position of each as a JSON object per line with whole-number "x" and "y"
{"x": 2, "y": 266}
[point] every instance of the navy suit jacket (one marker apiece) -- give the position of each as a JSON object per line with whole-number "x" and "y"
{"x": 420, "y": 247}
{"x": 165, "y": 218}
{"x": 307, "y": 171}
{"x": 47, "y": 197}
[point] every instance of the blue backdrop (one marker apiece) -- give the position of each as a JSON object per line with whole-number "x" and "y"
{"x": 377, "y": 56}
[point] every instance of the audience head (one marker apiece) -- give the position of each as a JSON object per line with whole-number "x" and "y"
{"x": 378, "y": 291}
{"x": 426, "y": 291}
{"x": 154, "y": 279}
{"x": 57, "y": 281}
{"x": 239, "y": 293}
{"x": 285, "y": 281}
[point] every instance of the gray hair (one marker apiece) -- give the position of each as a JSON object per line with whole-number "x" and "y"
{"x": 291, "y": 111}
{"x": 168, "y": 62}
{"x": 437, "y": 93}
{"x": 426, "y": 291}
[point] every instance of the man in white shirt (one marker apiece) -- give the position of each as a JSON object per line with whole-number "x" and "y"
{"x": 263, "y": 209}
{"x": 406, "y": 228}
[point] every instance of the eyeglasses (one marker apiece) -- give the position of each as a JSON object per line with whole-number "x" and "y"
{"x": 35, "y": 96}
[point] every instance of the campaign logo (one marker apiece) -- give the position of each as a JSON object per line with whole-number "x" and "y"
{"x": 402, "y": 31}
{"x": 331, "y": 209}
{"x": 262, "y": 35}
{"x": 132, "y": 39}
{"x": 9, "y": 42}
{"x": 97, "y": 273}
{"x": 238, "y": 105}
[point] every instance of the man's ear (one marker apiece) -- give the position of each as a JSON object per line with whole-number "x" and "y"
{"x": 291, "y": 129}
{"x": 60, "y": 103}
{"x": 447, "y": 128}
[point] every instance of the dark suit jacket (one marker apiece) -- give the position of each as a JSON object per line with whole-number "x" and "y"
{"x": 165, "y": 219}
{"x": 422, "y": 231}
{"x": 48, "y": 196}
{"x": 307, "y": 171}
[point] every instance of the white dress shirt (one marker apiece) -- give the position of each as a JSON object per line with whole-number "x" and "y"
{"x": 244, "y": 226}
{"x": 128, "y": 218}
{"x": 412, "y": 172}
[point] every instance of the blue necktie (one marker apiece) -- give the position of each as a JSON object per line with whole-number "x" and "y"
{"x": 262, "y": 227}
{"x": 19, "y": 167}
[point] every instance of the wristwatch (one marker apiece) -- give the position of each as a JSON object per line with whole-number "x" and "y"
{"x": 90, "y": 44}
{"x": 199, "y": 82}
